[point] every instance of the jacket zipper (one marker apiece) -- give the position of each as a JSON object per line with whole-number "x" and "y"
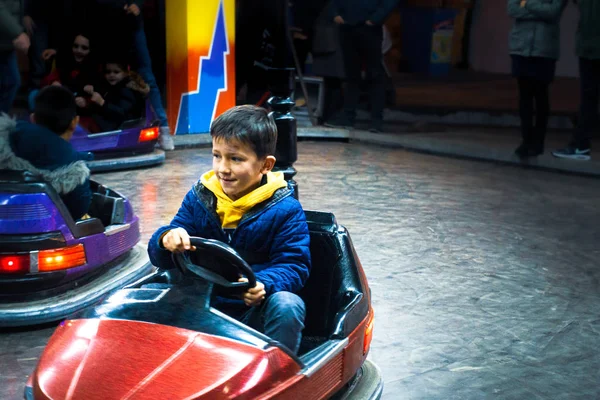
{"x": 253, "y": 217}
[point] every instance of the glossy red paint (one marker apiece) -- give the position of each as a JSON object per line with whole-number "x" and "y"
{"x": 116, "y": 359}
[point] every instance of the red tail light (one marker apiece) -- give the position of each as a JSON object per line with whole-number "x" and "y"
{"x": 14, "y": 264}
{"x": 64, "y": 258}
{"x": 368, "y": 333}
{"x": 149, "y": 134}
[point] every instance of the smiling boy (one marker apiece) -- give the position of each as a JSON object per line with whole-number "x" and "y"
{"x": 243, "y": 203}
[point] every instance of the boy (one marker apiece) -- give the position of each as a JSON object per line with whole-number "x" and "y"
{"x": 42, "y": 147}
{"x": 242, "y": 203}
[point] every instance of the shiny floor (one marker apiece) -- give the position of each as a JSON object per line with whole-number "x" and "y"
{"x": 485, "y": 277}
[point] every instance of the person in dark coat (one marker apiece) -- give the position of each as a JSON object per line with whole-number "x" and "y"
{"x": 42, "y": 147}
{"x": 361, "y": 38}
{"x": 242, "y": 203}
{"x": 328, "y": 62}
{"x": 12, "y": 37}
{"x": 534, "y": 49}
{"x": 588, "y": 50}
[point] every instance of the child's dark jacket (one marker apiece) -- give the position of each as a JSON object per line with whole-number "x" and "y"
{"x": 274, "y": 235}
{"x": 121, "y": 103}
{"x": 29, "y": 147}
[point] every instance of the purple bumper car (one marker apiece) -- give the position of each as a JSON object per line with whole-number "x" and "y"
{"x": 52, "y": 266}
{"x": 132, "y": 146}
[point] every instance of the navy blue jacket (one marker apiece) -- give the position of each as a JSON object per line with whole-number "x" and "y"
{"x": 357, "y": 12}
{"x": 272, "y": 237}
{"x": 47, "y": 151}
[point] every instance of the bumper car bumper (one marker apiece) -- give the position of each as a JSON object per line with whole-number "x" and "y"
{"x": 367, "y": 385}
{"x": 126, "y": 270}
{"x": 115, "y": 163}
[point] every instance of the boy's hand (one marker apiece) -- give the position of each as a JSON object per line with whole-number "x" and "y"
{"x": 48, "y": 54}
{"x": 339, "y": 20}
{"x": 254, "y": 296}
{"x": 89, "y": 89}
{"x": 132, "y": 9}
{"x": 22, "y": 42}
{"x": 177, "y": 241}
{"x": 80, "y": 102}
{"x": 97, "y": 98}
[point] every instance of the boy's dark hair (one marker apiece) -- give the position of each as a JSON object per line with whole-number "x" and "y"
{"x": 55, "y": 108}
{"x": 118, "y": 62}
{"x": 248, "y": 124}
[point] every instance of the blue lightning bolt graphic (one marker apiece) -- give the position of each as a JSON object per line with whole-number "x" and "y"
{"x": 198, "y": 108}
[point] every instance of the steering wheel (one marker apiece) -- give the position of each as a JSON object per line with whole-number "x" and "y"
{"x": 220, "y": 251}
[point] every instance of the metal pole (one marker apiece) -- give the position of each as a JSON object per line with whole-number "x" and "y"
{"x": 281, "y": 85}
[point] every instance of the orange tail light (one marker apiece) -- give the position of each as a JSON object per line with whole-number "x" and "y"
{"x": 58, "y": 259}
{"x": 368, "y": 333}
{"x": 149, "y": 134}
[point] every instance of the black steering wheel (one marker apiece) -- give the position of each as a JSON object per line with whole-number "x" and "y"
{"x": 222, "y": 252}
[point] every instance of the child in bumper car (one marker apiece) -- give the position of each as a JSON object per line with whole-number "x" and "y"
{"x": 118, "y": 99}
{"x": 42, "y": 147}
{"x": 243, "y": 203}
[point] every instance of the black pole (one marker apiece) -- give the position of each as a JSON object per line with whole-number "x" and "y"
{"x": 281, "y": 85}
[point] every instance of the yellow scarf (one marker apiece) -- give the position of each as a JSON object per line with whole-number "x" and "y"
{"x": 231, "y": 212}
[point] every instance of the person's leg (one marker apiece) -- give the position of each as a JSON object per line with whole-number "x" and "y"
{"x": 370, "y": 46}
{"x": 31, "y": 99}
{"x": 10, "y": 80}
{"x": 333, "y": 97}
{"x": 39, "y": 43}
{"x": 542, "y": 113}
{"x": 526, "y": 96}
{"x": 281, "y": 318}
{"x": 589, "y": 78}
{"x": 144, "y": 68}
{"x": 352, "y": 67}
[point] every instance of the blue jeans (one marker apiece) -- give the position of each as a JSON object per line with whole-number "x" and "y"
{"x": 39, "y": 43}
{"x": 144, "y": 68}
{"x": 280, "y": 317}
{"x": 10, "y": 80}
{"x": 31, "y": 99}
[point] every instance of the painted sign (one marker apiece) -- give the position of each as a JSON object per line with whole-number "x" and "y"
{"x": 200, "y": 62}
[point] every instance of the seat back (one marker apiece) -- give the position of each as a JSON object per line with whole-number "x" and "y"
{"x": 107, "y": 207}
{"x": 25, "y": 184}
{"x": 321, "y": 291}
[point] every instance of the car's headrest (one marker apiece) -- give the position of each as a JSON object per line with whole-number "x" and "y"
{"x": 321, "y": 221}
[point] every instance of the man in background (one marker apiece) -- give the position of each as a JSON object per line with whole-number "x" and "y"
{"x": 588, "y": 50}
{"x": 12, "y": 37}
{"x": 361, "y": 37}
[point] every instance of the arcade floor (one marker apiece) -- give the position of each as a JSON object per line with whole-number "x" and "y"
{"x": 485, "y": 277}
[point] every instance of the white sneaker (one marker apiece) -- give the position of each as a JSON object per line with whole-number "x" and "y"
{"x": 165, "y": 140}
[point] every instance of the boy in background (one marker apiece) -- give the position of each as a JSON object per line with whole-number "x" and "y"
{"x": 42, "y": 147}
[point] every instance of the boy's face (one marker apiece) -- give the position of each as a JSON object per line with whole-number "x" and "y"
{"x": 238, "y": 168}
{"x": 114, "y": 74}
